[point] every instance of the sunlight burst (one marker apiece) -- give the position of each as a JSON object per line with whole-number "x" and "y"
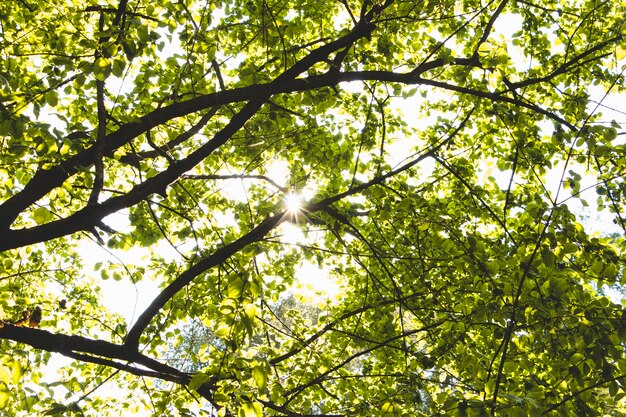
{"x": 293, "y": 203}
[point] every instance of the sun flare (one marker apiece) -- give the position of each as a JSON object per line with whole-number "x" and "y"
{"x": 293, "y": 202}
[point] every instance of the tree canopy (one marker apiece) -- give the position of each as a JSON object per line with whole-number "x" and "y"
{"x": 447, "y": 155}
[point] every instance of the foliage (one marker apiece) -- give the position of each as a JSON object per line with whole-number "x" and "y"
{"x": 446, "y": 150}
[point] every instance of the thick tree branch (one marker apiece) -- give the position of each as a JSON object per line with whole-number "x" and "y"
{"x": 489, "y": 26}
{"x": 124, "y": 367}
{"x": 45, "y": 180}
{"x": 45, "y": 340}
{"x": 89, "y": 216}
{"x": 217, "y": 258}
{"x": 70, "y": 345}
{"x": 99, "y": 352}
{"x": 98, "y": 181}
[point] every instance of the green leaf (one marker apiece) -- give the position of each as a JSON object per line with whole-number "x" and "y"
{"x": 102, "y": 68}
{"x": 251, "y": 409}
{"x": 387, "y": 408}
{"x": 235, "y": 288}
{"x": 16, "y": 371}
{"x": 260, "y": 377}
{"x": 57, "y": 409}
{"x": 250, "y": 311}
{"x": 197, "y": 380}
{"x": 222, "y": 330}
{"x": 5, "y": 375}
{"x": 42, "y": 215}
{"x": 5, "y": 396}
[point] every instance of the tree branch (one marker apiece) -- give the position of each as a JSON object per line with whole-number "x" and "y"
{"x": 335, "y": 322}
{"x": 45, "y": 180}
{"x": 87, "y": 217}
{"x": 106, "y": 353}
{"x": 236, "y": 176}
{"x": 135, "y": 158}
{"x": 217, "y": 258}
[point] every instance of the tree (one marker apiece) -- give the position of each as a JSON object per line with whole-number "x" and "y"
{"x": 443, "y": 145}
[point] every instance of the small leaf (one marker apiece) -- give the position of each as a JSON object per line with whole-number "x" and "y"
{"x": 258, "y": 408}
{"x": 197, "y": 380}
{"x": 247, "y": 324}
{"x": 42, "y": 215}
{"x": 57, "y": 409}
{"x": 597, "y": 266}
{"x": 211, "y": 53}
{"x": 75, "y": 408}
{"x": 250, "y": 310}
{"x": 52, "y": 98}
{"x": 118, "y": 68}
{"x": 260, "y": 378}
{"x": 387, "y": 408}
{"x": 102, "y": 68}
{"x": 251, "y": 409}
{"x": 222, "y": 330}
{"x": 235, "y": 288}
{"x": 17, "y": 371}
{"x": 5, "y": 396}
{"x": 5, "y": 375}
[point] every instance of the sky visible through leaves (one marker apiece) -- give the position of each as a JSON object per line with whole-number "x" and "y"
{"x": 461, "y": 179}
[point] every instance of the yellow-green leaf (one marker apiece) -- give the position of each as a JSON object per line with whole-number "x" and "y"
{"x": 4, "y": 398}
{"x": 5, "y": 375}
{"x": 251, "y": 409}
{"x": 235, "y": 288}
{"x": 387, "y": 408}
{"x": 16, "y": 371}
{"x": 260, "y": 377}
{"x": 222, "y": 330}
{"x": 250, "y": 310}
{"x": 197, "y": 380}
{"x": 42, "y": 215}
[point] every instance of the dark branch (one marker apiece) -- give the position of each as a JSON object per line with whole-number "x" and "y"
{"x": 98, "y": 181}
{"x": 46, "y": 180}
{"x": 217, "y": 258}
{"x": 236, "y": 176}
{"x": 100, "y": 352}
{"x": 489, "y": 26}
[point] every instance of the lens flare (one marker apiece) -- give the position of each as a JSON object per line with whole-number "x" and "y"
{"x": 293, "y": 203}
